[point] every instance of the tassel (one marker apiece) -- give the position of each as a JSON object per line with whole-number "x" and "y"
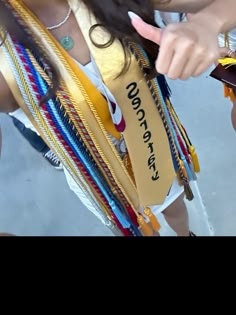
{"x": 153, "y": 220}
{"x": 226, "y": 91}
{"x": 144, "y": 226}
{"x": 188, "y": 192}
{"x": 232, "y": 95}
{"x": 183, "y": 168}
{"x": 125, "y": 232}
{"x": 194, "y": 176}
{"x": 165, "y": 89}
{"x": 132, "y": 215}
{"x": 195, "y": 160}
{"x": 179, "y": 179}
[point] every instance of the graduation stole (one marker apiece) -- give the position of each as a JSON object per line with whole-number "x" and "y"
{"x": 155, "y": 137}
{"x": 77, "y": 123}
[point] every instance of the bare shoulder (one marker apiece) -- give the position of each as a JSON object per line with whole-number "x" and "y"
{"x": 7, "y": 101}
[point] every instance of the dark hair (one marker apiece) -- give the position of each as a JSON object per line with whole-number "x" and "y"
{"x": 112, "y": 14}
{"x": 12, "y": 24}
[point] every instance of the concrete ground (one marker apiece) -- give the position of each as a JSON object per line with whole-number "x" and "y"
{"x": 35, "y": 199}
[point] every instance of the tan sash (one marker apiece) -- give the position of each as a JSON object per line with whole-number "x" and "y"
{"x": 145, "y": 135}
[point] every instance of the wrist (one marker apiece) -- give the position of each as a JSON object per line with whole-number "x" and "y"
{"x": 208, "y": 20}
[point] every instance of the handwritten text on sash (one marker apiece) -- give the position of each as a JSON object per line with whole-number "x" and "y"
{"x": 133, "y": 95}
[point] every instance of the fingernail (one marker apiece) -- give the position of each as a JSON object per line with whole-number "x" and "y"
{"x": 132, "y": 16}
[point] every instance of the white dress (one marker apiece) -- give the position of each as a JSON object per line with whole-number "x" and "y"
{"x": 91, "y": 71}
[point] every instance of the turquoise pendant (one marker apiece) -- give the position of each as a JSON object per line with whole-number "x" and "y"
{"x": 67, "y": 43}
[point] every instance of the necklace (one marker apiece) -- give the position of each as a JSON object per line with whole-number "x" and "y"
{"x": 53, "y": 27}
{"x": 66, "y": 42}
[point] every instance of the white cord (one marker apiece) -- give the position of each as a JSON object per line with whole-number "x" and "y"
{"x": 50, "y": 28}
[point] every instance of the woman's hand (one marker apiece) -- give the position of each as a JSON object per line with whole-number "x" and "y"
{"x": 186, "y": 49}
{"x": 226, "y": 52}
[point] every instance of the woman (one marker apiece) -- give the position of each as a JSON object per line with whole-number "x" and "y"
{"x": 121, "y": 142}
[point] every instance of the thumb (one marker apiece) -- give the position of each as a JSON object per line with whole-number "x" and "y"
{"x": 147, "y": 31}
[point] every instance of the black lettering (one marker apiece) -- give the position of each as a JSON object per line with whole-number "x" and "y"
{"x": 150, "y": 146}
{"x": 153, "y": 167}
{"x": 151, "y": 160}
{"x": 142, "y": 112}
{"x": 133, "y": 86}
{"x": 147, "y": 136}
{"x": 136, "y": 103}
{"x": 156, "y": 176}
{"x": 144, "y": 123}
{"x": 133, "y": 92}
